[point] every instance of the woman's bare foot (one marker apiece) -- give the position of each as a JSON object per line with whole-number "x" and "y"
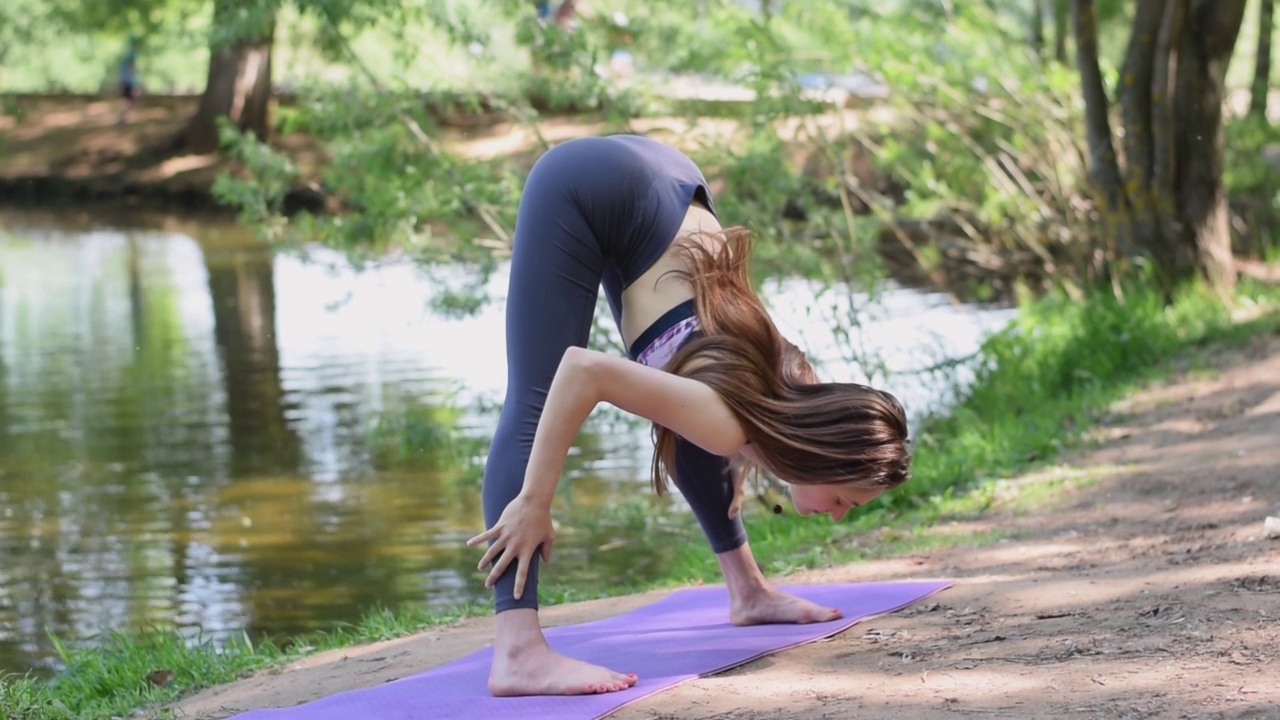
{"x": 754, "y": 601}
{"x": 524, "y": 664}
{"x": 770, "y": 605}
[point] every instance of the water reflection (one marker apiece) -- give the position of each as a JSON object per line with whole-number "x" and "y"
{"x": 194, "y": 431}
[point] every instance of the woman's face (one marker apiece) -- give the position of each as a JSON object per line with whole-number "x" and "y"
{"x": 833, "y": 500}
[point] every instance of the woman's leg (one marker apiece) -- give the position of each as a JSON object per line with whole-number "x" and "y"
{"x": 556, "y": 267}
{"x": 705, "y": 483}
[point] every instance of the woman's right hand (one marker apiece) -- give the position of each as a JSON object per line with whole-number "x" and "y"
{"x": 525, "y": 525}
{"x": 739, "y": 492}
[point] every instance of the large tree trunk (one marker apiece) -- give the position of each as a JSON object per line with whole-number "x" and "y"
{"x": 1144, "y": 109}
{"x": 1262, "y": 64}
{"x": 238, "y": 86}
{"x": 1204, "y": 52}
{"x": 1168, "y": 197}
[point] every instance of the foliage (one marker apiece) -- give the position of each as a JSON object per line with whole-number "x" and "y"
{"x": 982, "y": 129}
{"x": 1252, "y": 164}
{"x": 423, "y": 433}
{"x": 1247, "y": 169}
{"x": 1251, "y": 175}
{"x": 984, "y": 136}
{"x": 25, "y": 698}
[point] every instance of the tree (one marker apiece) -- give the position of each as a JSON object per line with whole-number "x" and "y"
{"x": 1166, "y": 199}
{"x": 239, "y": 80}
{"x": 1058, "y": 14}
{"x": 239, "y": 74}
{"x": 1262, "y": 63}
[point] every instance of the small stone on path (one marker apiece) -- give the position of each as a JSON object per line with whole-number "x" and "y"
{"x": 1272, "y": 527}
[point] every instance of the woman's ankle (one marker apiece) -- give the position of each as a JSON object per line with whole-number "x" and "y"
{"x": 742, "y": 574}
{"x": 518, "y": 631}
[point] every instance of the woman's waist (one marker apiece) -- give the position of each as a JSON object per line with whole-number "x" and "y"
{"x": 658, "y": 343}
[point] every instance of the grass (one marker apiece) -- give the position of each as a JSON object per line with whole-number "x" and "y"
{"x": 1041, "y": 384}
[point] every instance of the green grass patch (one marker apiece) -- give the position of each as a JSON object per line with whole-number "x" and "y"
{"x": 1040, "y": 386}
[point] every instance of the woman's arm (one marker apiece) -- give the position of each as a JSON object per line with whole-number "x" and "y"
{"x": 583, "y": 380}
{"x": 586, "y": 378}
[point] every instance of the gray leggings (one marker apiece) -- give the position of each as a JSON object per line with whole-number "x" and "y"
{"x": 595, "y": 211}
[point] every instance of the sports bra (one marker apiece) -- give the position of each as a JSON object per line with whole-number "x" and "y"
{"x": 660, "y": 341}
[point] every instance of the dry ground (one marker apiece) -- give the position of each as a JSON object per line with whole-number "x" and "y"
{"x": 1143, "y": 586}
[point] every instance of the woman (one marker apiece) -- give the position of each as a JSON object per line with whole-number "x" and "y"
{"x": 724, "y": 390}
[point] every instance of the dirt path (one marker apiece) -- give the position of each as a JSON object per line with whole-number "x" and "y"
{"x": 1146, "y": 588}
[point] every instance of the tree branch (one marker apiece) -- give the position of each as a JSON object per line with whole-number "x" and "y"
{"x": 482, "y": 211}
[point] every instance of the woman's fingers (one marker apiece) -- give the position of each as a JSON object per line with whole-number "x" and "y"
{"x": 522, "y": 574}
{"x": 500, "y": 554}
{"x": 489, "y": 555}
{"x": 739, "y": 494}
{"x": 499, "y": 567}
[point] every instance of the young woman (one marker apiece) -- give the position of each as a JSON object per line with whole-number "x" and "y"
{"x": 724, "y": 390}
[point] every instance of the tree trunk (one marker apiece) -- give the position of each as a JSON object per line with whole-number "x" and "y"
{"x": 1262, "y": 64}
{"x": 238, "y": 87}
{"x": 1168, "y": 199}
{"x": 1164, "y": 159}
{"x": 1203, "y": 55}
{"x": 1136, "y": 98}
{"x": 1061, "y": 19}
{"x": 1104, "y": 169}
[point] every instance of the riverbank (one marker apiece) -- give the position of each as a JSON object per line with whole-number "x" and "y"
{"x": 62, "y": 149}
{"x": 73, "y": 148}
{"x": 987, "y": 505}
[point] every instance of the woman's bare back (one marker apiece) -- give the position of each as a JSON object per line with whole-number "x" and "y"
{"x": 655, "y": 292}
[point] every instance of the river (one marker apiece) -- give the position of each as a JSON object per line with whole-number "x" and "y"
{"x": 198, "y": 432}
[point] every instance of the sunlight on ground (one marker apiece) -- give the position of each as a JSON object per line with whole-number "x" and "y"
{"x": 182, "y": 164}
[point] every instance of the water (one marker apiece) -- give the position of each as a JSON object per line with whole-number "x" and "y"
{"x": 195, "y": 432}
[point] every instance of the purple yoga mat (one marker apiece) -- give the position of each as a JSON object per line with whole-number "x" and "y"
{"x": 678, "y": 638}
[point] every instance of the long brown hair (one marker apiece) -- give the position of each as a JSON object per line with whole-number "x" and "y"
{"x": 803, "y": 431}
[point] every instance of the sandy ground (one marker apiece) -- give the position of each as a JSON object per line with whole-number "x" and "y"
{"x": 1144, "y": 586}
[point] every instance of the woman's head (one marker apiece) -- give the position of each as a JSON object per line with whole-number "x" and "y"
{"x": 802, "y": 431}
